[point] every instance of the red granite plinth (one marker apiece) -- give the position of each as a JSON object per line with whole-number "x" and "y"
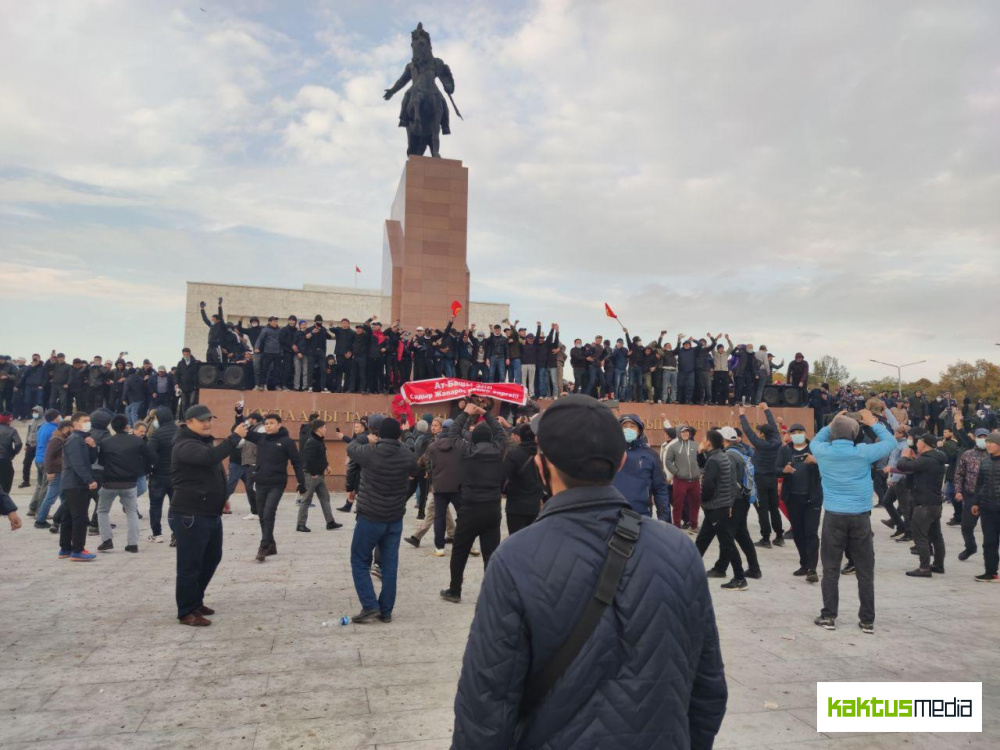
{"x": 425, "y": 243}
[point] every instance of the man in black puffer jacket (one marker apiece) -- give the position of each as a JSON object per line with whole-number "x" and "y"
{"x": 124, "y": 458}
{"x": 660, "y": 632}
{"x": 522, "y": 485}
{"x": 275, "y": 451}
{"x": 160, "y": 484}
{"x": 195, "y": 516}
{"x": 926, "y": 468}
{"x": 386, "y": 467}
{"x": 482, "y": 482}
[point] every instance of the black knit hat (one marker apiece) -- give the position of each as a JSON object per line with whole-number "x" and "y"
{"x": 582, "y": 438}
{"x": 389, "y": 429}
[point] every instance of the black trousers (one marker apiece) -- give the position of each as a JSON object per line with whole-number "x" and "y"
{"x": 768, "y": 512}
{"x": 853, "y": 534}
{"x": 890, "y": 500}
{"x": 270, "y": 370}
{"x": 6, "y": 474}
{"x": 969, "y": 522}
{"x": 991, "y": 539}
{"x": 881, "y": 483}
{"x": 73, "y": 525}
{"x": 720, "y": 388}
{"x": 804, "y": 517}
{"x": 475, "y": 520}
{"x": 518, "y": 521}
{"x": 927, "y": 534}
{"x": 29, "y": 459}
{"x": 267, "y": 506}
{"x": 719, "y": 523}
{"x": 741, "y": 509}
{"x": 287, "y": 367}
{"x": 199, "y": 552}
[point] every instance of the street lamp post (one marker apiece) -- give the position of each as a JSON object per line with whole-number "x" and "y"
{"x": 899, "y": 371}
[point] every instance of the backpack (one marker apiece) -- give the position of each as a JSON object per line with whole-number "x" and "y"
{"x": 749, "y": 487}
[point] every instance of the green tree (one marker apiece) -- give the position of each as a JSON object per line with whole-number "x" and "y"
{"x": 975, "y": 380}
{"x": 827, "y": 369}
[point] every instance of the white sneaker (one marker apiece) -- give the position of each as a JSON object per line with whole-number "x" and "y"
{"x": 249, "y": 517}
{"x": 438, "y": 552}
{"x": 475, "y": 552}
{"x": 155, "y": 538}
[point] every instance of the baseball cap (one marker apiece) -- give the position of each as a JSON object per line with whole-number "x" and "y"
{"x": 929, "y": 439}
{"x": 199, "y": 412}
{"x": 982, "y": 432}
{"x": 994, "y": 437}
{"x": 582, "y": 438}
{"x": 728, "y": 433}
{"x": 796, "y": 428}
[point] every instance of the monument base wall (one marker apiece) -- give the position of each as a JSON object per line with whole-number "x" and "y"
{"x": 342, "y": 409}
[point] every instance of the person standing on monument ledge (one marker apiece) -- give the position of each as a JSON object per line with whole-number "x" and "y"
{"x": 546, "y": 663}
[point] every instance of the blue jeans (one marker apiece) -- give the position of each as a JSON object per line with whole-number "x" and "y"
{"x": 448, "y": 366}
{"x": 53, "y": 491}
{"x": 515, "y": 371}
{"x": 141, "y": 485}
{"x": 367, "y": 536}
{"x": 498, "y": 370}
{"x": 132, "y": 412}
{"x": 669, "y": 386}
{"x": 620, "y": 381}
{"x": 199, "y": 552}
{"x": 593, "y": 378}
{"x": 634, "y": 391}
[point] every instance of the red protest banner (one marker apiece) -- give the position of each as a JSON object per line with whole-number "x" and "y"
{"x": 449, "y": 389}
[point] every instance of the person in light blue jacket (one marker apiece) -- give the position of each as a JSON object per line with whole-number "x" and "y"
{"x": 845, "y": 469}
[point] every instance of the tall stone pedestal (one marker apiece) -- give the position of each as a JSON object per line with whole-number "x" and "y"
{"x": 424, "y": 265}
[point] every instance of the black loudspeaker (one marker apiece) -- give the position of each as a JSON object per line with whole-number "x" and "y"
{"x": 782, "y": 395}
{"x": 791, "y": 395}
{"x": 773, "y": 395}
{"x": 230, "y": 377}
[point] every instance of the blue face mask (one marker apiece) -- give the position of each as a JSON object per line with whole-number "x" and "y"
{"x": 798, "y": 438}
{"x": 630, "y": 434}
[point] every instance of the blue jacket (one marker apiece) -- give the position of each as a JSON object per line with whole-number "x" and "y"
{"x": 642, "y": 477}
{"x": 846, "y": 469}
{"x": 651, "y": 674}
{"x": 45, "y": 433}
{"x": 619, "y": 358}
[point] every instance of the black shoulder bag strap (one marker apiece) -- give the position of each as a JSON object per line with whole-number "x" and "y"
{"x": 620, "y": 549}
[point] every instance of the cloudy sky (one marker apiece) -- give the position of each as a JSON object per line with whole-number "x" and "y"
{"x": 822, "y": 177}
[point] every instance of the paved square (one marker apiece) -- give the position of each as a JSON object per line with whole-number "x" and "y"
{"x": 92, "y": 656}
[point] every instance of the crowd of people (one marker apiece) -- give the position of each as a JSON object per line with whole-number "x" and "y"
{"x": 309, "y": 354}
{"x": 577, "y": 470}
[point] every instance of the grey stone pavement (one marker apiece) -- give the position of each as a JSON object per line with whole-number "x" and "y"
{"x": 92, "y": 657}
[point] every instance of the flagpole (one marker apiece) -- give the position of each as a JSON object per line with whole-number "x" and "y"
{"x": 355, "y": 277}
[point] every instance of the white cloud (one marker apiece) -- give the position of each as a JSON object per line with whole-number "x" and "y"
{"x": 767, "y": 168}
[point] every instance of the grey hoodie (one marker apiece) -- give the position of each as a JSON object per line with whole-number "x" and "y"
{"x": 682, "y": 460}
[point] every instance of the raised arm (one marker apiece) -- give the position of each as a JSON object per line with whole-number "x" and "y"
{"x": 403, "y": 80}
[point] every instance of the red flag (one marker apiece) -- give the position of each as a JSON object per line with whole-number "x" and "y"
{"x": 609, "y": 311}
{"x": 357, "y": 270}
{"x": 455, "y": 307}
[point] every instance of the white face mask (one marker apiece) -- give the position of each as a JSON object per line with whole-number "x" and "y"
{"x": 85, "y": 427}
{"x": 35, "y": 415}
{"x": 981, "y": 443}
{"x": 156, "y": 424}
{"x": 798, "y": 438}
{"x": 909, "y": 442}
{"x": 259, "y": 428}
